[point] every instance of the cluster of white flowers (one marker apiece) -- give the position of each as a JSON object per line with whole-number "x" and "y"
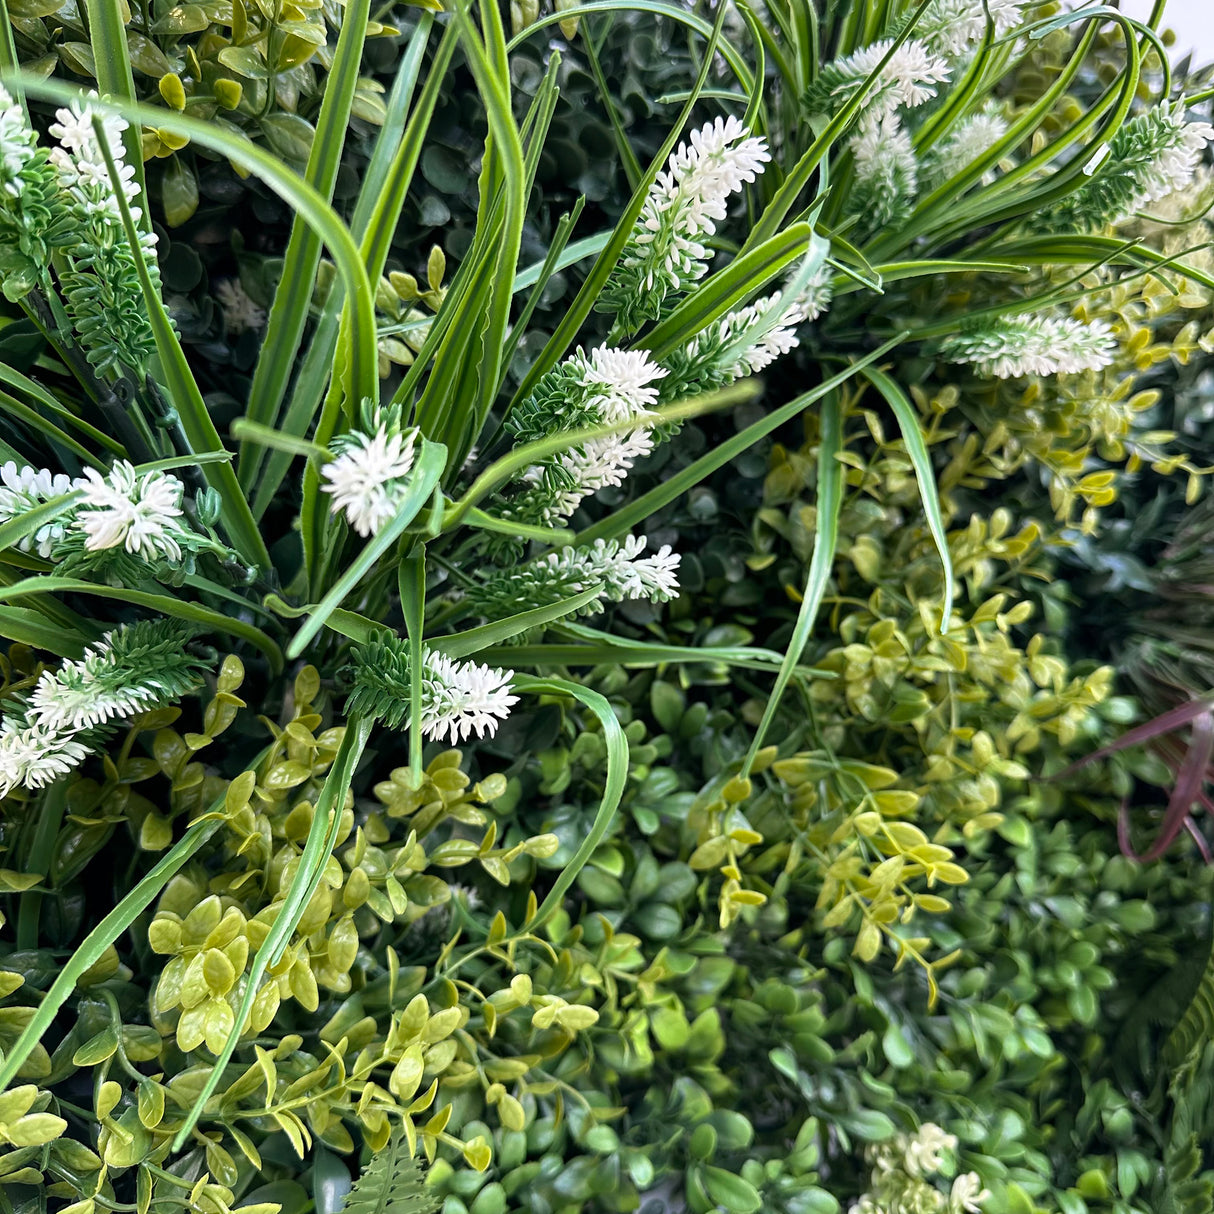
{"x": 689, "y": 198}
{"x": 666, "y": 251}
{"x": 908, "y": 79}
{"x": 24, "y": 488}
{"x": 82, "y": 168}
{"x": 955, "y": 27}
{"x": 1033, "y": 345}
{"x": 923, "y": 1152}
{"x": 369, "y": 475}
{"x": 18, "y": 144}
{"x": 968, "y": 1194}
{"x": 887, "y": 173}
{"x": 137, "y": 512}
{"x": 1179, "y": 147}
{"x": 132, "y": 668}
{"x": 620, "y": 388}
{"x": 240, "y": 313}
{"x": 618, "y": 567}
{"x": 32, "y": 756}
{"x": 462, "y": 698}
{"x": 965, "y": 142}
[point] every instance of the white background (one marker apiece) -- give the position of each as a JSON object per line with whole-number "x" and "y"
{"x": 1193, "y": 21}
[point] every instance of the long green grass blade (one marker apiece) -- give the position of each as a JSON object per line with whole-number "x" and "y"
{"x": 195, "y": 419}
{"x": 411, "y": 584}
{"x": 181, "y": 609}
{"x": 32, "y": 418}
{"x": 94, "y": 945}
{"x": 322, "y": 837}
{"x": 30, "y": 627}
{"x": 362, "y": 375}
{"x": 39, "y": 395}
{"x": 473, "y": 640}
{"x": 293, "y": 295}
{"x": 613, "y": 788}
{"x": 826, "y": 538}
{"x": 600, "y": 272}
{"x": 921, "y": 460}
{"x": 726, "y": 290}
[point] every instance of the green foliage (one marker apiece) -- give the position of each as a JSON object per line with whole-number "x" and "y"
{"x": 390, "y": 1184}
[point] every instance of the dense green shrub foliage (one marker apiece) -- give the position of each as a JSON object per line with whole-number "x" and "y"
{"x": 782, "y": 876}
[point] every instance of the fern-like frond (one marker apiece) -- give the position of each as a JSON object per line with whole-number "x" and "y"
{"x": 392, "y": 1183}
{"x": 1197, "y": 1024}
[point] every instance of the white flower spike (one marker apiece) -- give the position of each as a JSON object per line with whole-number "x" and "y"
{"x": 1033, "y": 345}
{"x": 137, "y": 513}
{"x": 369, "y": 476}
{"x": 462, "y": 698}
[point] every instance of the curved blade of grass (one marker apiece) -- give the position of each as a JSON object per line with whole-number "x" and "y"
{"x": 322, "y": 838}
{"x": 293, "y": 295}
{"x": 411, "y": 585}
{"x": 35, "y": 421}
{"x": 362, "y": 374}
{"x": 112, "y": 63}
{"x": 730, "y": 53}
{"x": 621, "y": 521}
{"x": 431, "y": 461}
{"x": 379, "y": 186}
{"x": 826, "y": 537}
{"x": 236, "y": 517}
{"x": 37, "y": 393}
{"x": 94, "y": 945}
{"x": 30, "y": 627}
{"x": 465, "y": 644}
{"x": 180, "y": 609}
{"x": 22, "y": 525}
{"x": 921, "y": 461}
{"x": 515, "y": 461}
{"x": 613, "y": 790}
{"x": 798, "y": 177}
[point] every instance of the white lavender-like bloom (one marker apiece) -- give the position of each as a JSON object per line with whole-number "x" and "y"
{"x": 369, "y": 476}
{"x": 666, "y": 252}
{"x": 924, "y": 1153}
{"x": 621, "y": 383}
{"x": 240, "y": 313}
{"x": 24, "y": 488}
{"x": 1032, "y": 345}
{"x": 967, "y": 1194}
{"x": 1151, "y": 156}
{"x": 101, "y": 283}
{"x": 908, "y": 79}
{"x": 953, "y": 27}
{"x": 966, "y": 141}
{"x": 81, "y": 162}
{"x": 138, "y": 513}
{"x": 33, "y": 756}
{"x": 608, "y": 387}
{"x": 462, "y": 698}
{"x": 18, "y": 144}
{"x": 1178, "y": 149}
{"x": 886, "y": 173}
{"x": 132, "y": 668}
{"x": 617, "y": 569}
